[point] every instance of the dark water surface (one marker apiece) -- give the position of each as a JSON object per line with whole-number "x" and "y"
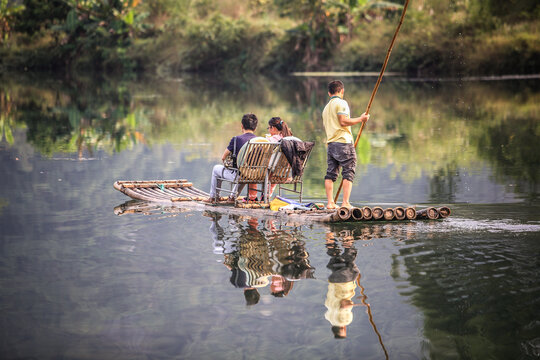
{"x": 80, "y": 279}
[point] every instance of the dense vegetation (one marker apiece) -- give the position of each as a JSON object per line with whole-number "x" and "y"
{"x": 443, "y": 37}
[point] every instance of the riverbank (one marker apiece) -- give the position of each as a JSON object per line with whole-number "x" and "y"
{"x": 265, "y": 38}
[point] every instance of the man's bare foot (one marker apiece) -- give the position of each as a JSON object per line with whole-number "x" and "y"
{"x": 347, "y": 205}
{"x": 331, "y": 206}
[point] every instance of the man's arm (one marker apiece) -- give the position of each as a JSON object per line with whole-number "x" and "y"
{"x": 344, "y": 120}
{"x": 225, "y": 154}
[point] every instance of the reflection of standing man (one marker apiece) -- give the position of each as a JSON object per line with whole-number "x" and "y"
{"x": 339, "y": 139}
{"x": 342, "y": 284}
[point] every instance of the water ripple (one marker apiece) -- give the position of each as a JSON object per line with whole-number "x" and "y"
{"x": 471, "y": 225}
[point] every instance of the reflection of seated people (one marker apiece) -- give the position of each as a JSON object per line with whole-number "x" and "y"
{"x": 239, "y": 279}
{"x": 295, "y": 265}
{"x": 342, "y": 285}
{"x": 257, "y": 260}
{"x": 280, "y": 286}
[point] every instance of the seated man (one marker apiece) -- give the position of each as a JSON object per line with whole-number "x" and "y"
{"x": 249, "y": 124}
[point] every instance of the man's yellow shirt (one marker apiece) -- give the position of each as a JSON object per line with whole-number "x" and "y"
{"x": 334, "y": 131}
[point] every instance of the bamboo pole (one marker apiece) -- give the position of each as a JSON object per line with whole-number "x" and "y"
{"x": 388, "y": 214}
{"x": 344, "y": 213}
{"x": 367, "y": 213}
{"x": 444, "y": 212}
{"x": 356, "y": 214}
{"x": 410, "y": 213}
{"x": 377, "y": 84}
{"x": 377, "y": 213}
{"x": 399, "y": 213}
{"x": 428, "y": 213}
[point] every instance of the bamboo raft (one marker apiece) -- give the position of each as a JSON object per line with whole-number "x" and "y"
{"x": 182, "y": 194}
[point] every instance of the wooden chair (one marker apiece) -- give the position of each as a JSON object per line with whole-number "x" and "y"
{"x": 252, "y": 169}
{"x": 280, "y": 173}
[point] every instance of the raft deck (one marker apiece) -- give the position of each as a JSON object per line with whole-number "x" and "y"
{"x": 183, "y": 194}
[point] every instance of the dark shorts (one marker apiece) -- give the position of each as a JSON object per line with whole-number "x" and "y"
{"x": 341, "y": 155}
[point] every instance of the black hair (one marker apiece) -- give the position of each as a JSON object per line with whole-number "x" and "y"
{"x": 249, "y": 122}
{"x": 335, "y": 86}
{"x": 280, "y": 125}
{"x": 252, "y": 296}
{"x": 336, "y": 330}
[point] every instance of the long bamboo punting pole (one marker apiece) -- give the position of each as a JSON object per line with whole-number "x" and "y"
{"x": 377, "y": 84}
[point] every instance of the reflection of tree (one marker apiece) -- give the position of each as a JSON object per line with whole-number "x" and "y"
{"x": 6, "y": 118}
{"x": 433, "y": 130}
{"x": 513, "y": 147}
{"x": 476, "y": 304}
{"x": 75, "y": 120}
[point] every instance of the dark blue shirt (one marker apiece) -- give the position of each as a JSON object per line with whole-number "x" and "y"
{"x": 240, "y": 141}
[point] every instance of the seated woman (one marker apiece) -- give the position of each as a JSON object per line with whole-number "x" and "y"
{"x": 278, "y": 129}
{"x": 249, "y": 124}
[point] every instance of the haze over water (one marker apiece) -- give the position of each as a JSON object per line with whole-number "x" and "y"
{"x": 82, "y": 278}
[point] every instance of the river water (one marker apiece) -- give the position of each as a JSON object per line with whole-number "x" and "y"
{"x": 82, "y": 278}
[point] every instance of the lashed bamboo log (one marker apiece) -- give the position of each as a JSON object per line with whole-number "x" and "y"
{"x": 388, "y": 214}
{"x": 356, "y": 214}
{"x": 174, "y": 199}
{"x": 367, "y": 213}
{"x": 399, "y": 213}
{"x": 151, "y": 194}
{"x": 444, "y": 212}
{"x": 253, "y": 206}
{"x": 158, "y": 184}
{"x": 377, "y": 212}
{"x": 410, "y": 213}
{"x": 143, "y": 182}
{"x": 428, "y": 213}
{"x": 344, "y": 213}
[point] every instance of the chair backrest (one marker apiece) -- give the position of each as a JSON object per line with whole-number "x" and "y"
{"x": 281, "y": 170}
{"x": 254, "y": 162}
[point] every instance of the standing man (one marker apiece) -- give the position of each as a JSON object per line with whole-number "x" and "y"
{"x": 339, "y": 139}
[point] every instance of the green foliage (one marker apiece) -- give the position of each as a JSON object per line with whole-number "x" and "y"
{"x": 490, "y": 11}
{"x": 8, "y": 12}
{"x": 97, "y": 33}
{"x": 223, "y": 43}
{"x": 40, "y": 15}
{"x": 7, "y": 122}
{"x": 324, "y": 24}
{"x": 449, "y": 37}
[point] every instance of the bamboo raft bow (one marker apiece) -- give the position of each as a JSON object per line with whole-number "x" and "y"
{"x": 377, "y": 85}
{"x": 184, "y": 194}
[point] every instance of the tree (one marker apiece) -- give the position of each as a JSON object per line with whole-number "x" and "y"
{"x": 8, "y": 12}
{"x": 38, "y": 15}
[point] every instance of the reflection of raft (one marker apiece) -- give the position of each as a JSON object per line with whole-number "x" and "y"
{"x": 183, "y": 194}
